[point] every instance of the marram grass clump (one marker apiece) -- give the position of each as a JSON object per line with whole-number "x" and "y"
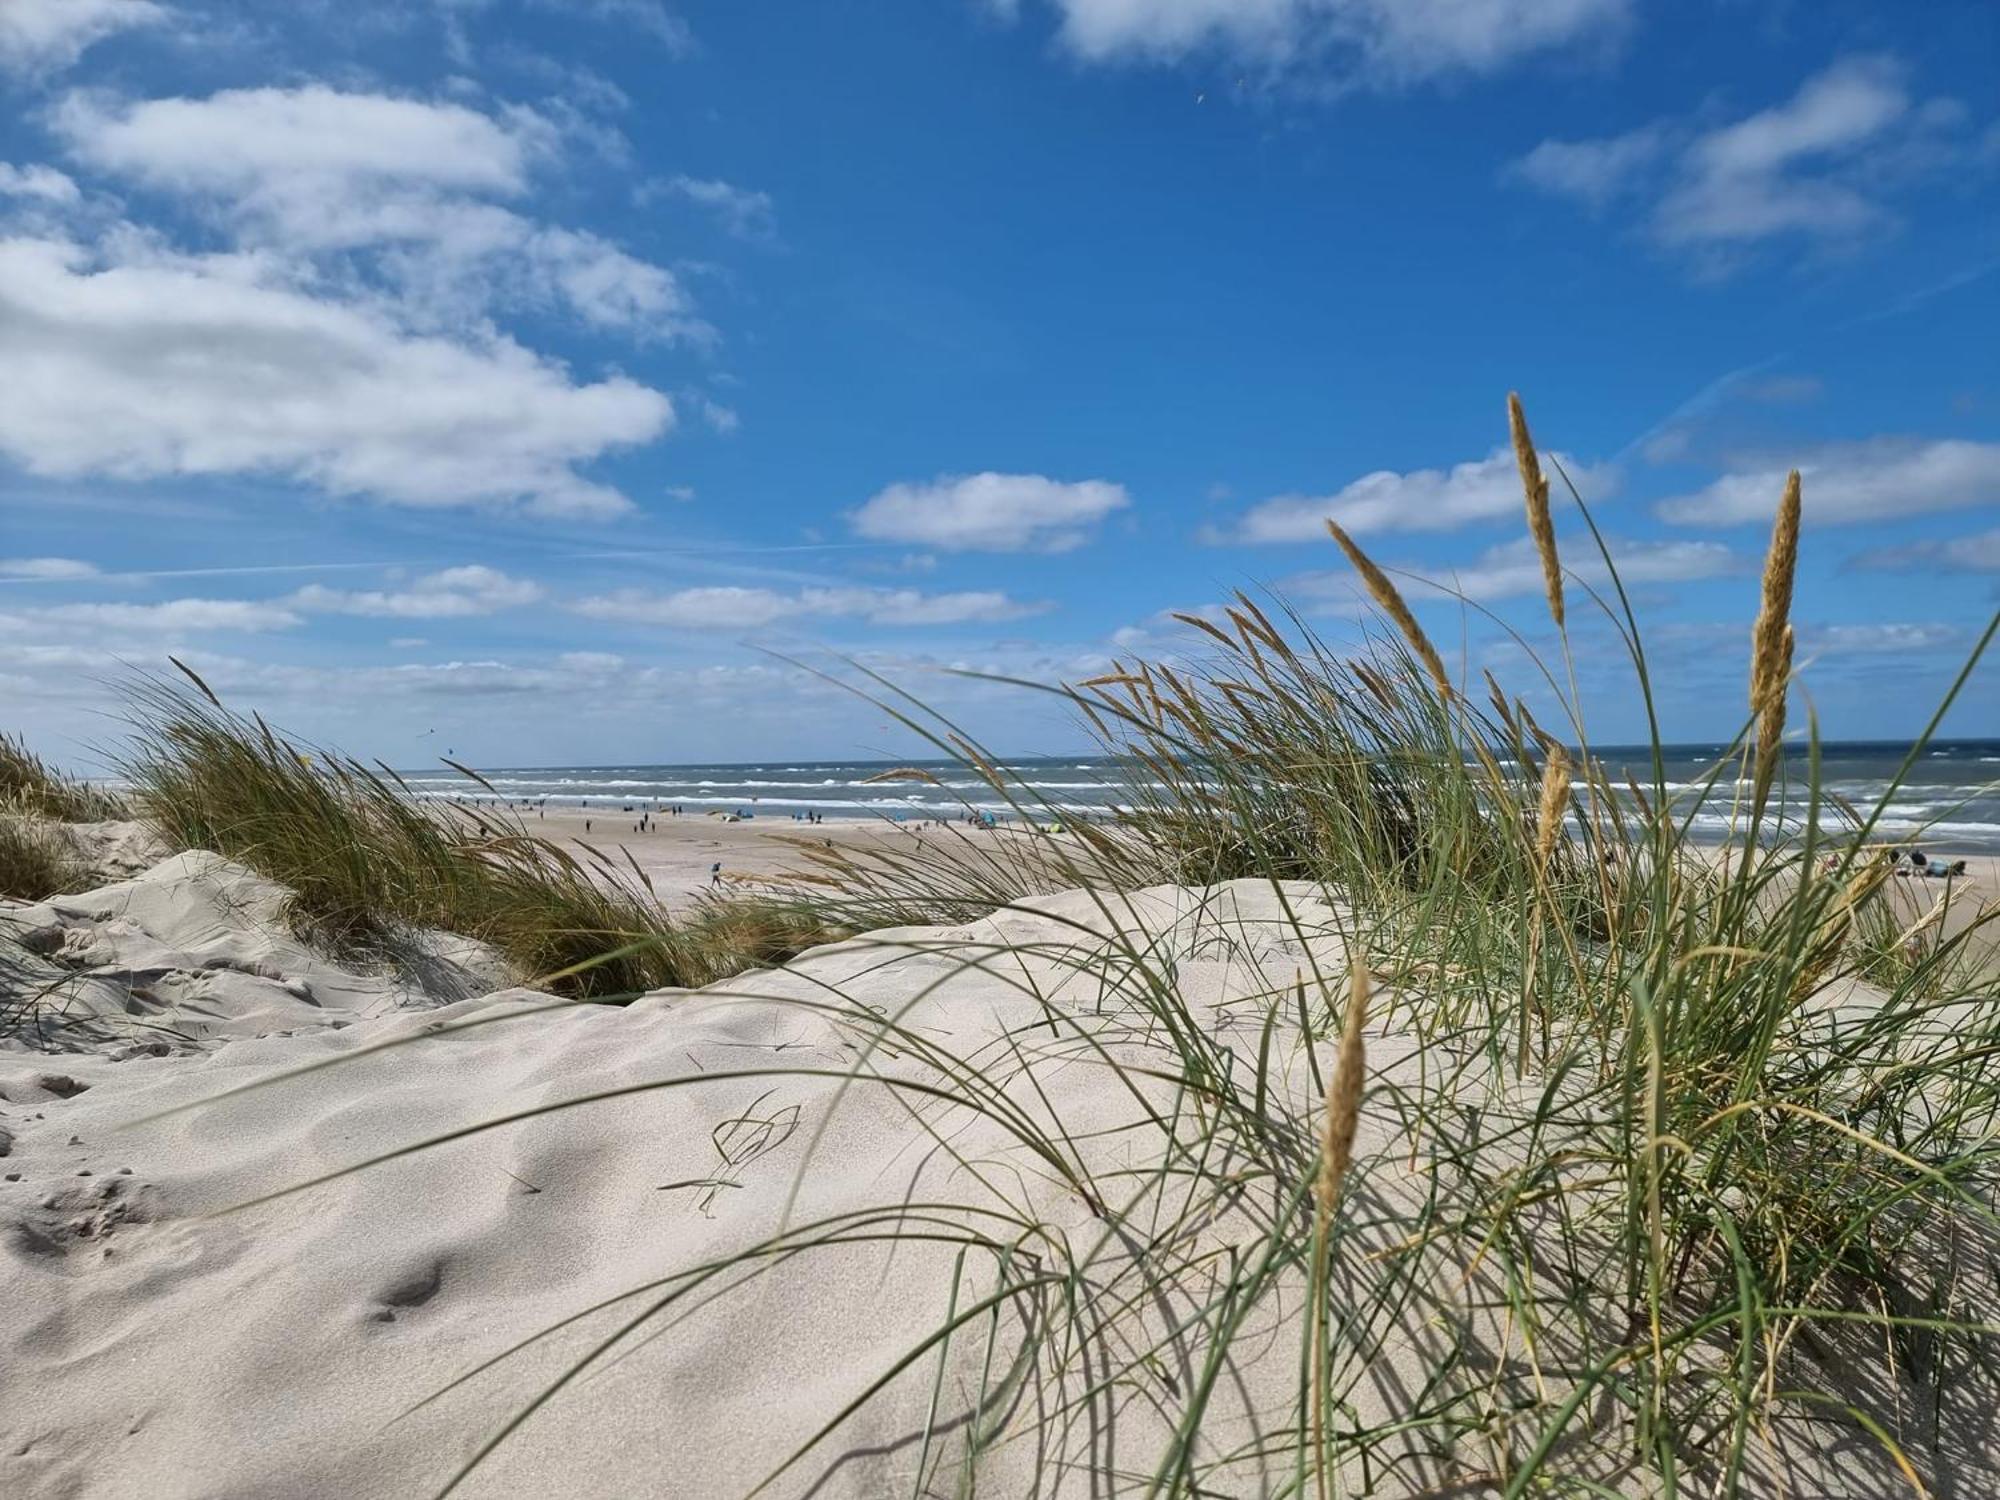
{"x": 30, "y": 786}
{"x": 367, "y": 861}
{"x": 35, "y": 862}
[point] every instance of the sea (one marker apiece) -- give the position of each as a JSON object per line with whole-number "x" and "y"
{"x": 1949, "y": 795}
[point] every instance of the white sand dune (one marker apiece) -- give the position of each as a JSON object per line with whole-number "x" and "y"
{"x": 167, "y": 1334}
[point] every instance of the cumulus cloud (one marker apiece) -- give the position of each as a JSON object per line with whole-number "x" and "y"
{"x": 1379, "y": 43}
{"x": 1484, "y": 489}
{"x": 1819, "y": 167}
{"x": 347, "y": 333}
{"x": 47, "y": 35}
{"x": 454, "y": 593}
{"x": 1513, "y": 570}
{"x": 734, "y": 608}
{"x": 990, "y": 512}
{"x": 1843, "y": 482}
{"x": 394, "y": 188}
{"x": 49, "y": 568}
{"x": 244, "y": 140}
{"x": 143, "y": 364}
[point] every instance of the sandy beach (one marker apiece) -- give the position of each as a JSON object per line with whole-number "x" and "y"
{"x": 679, "y": 854}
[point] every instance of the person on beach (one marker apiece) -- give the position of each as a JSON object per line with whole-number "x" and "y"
{"x": 715, "y": 873}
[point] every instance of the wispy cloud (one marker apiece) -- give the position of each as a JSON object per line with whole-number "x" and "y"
{"x": 44, "y": 569}
{"x": 166, "y": 619}
{"x": 454, "y": 593}
{"x": 743, "y": 212}
{"x": 1383, "y": 44}
{"x": 1962, "y": 554}
{"x": 732, "y": 608}
{"x": 1824, "y": 167}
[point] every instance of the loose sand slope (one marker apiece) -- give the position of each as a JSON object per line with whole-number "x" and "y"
{"x": 149, "y": 1350}
{"x": 155, "y": 1345}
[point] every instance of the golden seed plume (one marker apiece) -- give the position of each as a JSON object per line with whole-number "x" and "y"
{"x": 1555, "y": 803}
{"x": 1541, "y": 526}
{"x": 1262, "y": 628}
{"x": 1383, "y": 592}
{"x": 1771, "y": 637}
{"x": 1343, "y": 1095}
{"x": 1208, "y": 627}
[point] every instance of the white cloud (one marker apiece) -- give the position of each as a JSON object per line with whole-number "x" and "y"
{"x": 455, "y": 593}
{"x": 990, "y": 512}
{"x": 45, "y": 35}
{"x": 52, "y": 568}
{"x": 1514, "y": 569}
{"x": 1757, "y": 178}
{"x": 390, "y": 188}
{"x": 1883, "y": 477}
{"x": 39, "y": 182}
{"x": 735, "y": 608}
{"x": 743, "y": 212}
{"x": 1384, "y": 43}
{"x": 142, "y": 364}
{"x": 1819, "y": 167}
{"x": 1483, "y": 489}
{"x": 173, "y": 617}
{"x": 1962, "y": 554}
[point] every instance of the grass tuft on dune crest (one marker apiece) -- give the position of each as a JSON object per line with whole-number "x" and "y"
{"x": 34, "y": 861}
{"x": 30, "y": 786}
{"x": 367, "y": 860}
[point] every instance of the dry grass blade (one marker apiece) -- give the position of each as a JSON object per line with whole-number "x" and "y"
{"x": 1385, "y": 595}
{"x": 901, "y": 773}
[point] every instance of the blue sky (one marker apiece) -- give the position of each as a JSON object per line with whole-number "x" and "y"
{"x": 522, "y": 374}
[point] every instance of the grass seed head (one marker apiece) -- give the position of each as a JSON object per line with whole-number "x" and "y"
{"x": 1554, "y": 803}
{"x": 1541, "y": 526}
{"x": 1771, "y": 637}
{"x": 1384, "y": 593}
{"x": 1343, "y": 1094}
